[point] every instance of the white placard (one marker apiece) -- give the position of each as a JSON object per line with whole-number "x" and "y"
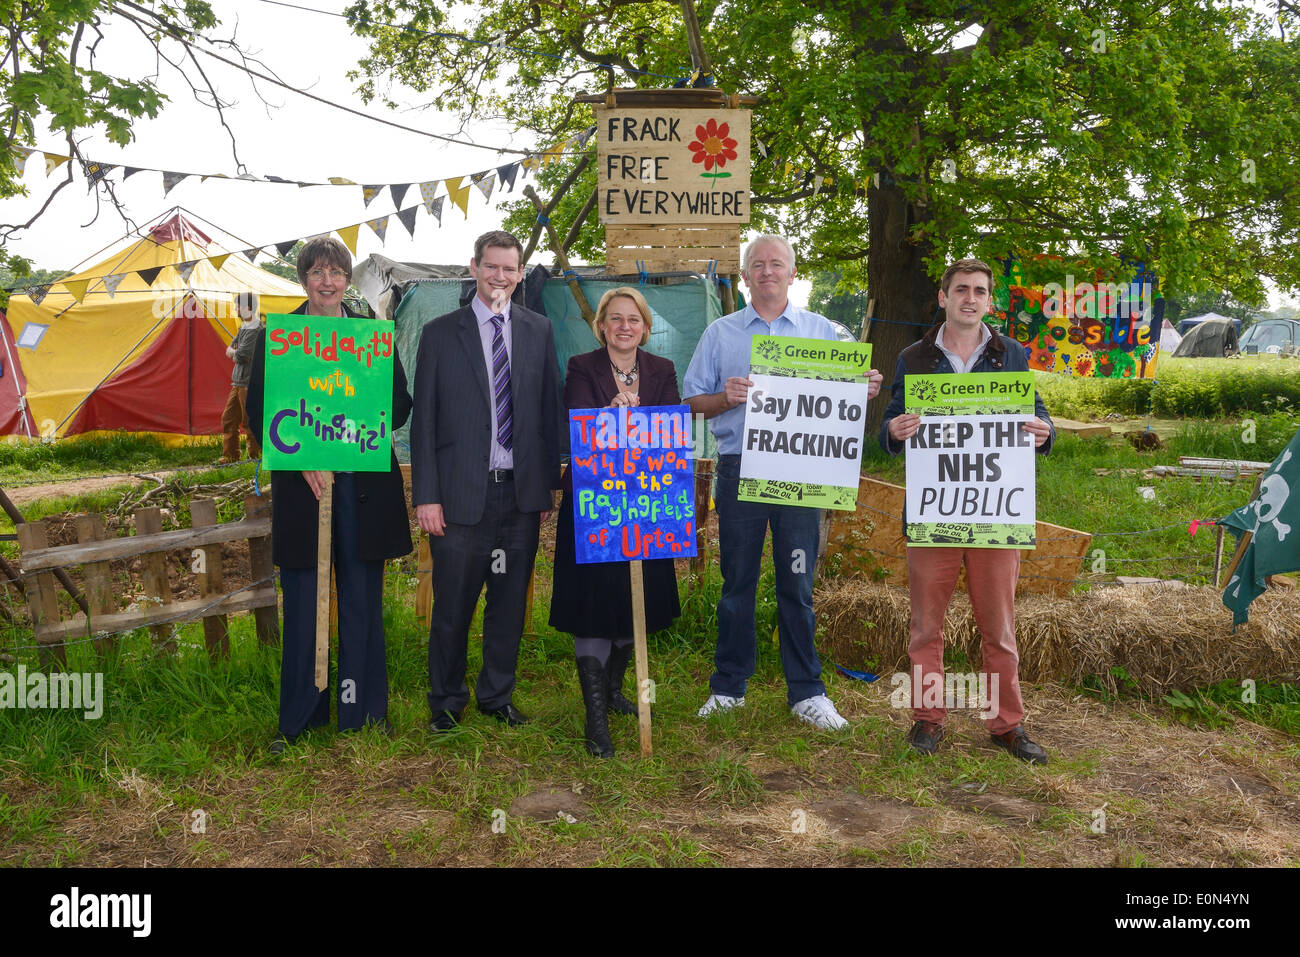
{"x": 803, "y": 430}
{"x": 970, "y": 481}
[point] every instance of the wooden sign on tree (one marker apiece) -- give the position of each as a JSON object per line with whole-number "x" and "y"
{"x": 683, "y": 168}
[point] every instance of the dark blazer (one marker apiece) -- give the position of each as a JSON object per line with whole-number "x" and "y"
{"x": 1001, "y": 354}
{"x": 589, "y": 384}
{"x": 385, "y": 530}
{"x": 451, "y": 423}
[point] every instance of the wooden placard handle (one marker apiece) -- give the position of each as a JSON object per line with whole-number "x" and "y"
{"x": 324, "y": 526}
{"x": 643, "y": 683}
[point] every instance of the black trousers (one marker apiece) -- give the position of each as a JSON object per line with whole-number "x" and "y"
{"x": 362, "y": 668}
{"x": 497, "y": 553}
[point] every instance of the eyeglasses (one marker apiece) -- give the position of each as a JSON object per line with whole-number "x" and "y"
{"x": 335, "y": 275}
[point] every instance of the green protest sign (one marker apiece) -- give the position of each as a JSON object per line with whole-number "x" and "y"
{"x": 329, "y": 394}
{"x": 795, "y": 427}
{"x": 970, "y": 393}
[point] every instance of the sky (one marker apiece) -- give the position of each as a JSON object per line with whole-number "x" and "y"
{"x": 295, "y": 138}
{"x": 292, "y": 137}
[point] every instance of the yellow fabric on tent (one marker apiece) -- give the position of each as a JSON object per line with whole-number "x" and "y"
{"x": 87, "y": 343}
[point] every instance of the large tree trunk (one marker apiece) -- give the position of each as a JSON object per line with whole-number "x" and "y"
{"x": 898, "y": 281}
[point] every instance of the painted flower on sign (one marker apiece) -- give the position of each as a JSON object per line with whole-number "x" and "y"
{"x": 712, "y": 145}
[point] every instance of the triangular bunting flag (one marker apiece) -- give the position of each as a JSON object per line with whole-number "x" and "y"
{"x": 277, "y": 179}
{"x": 129, "y": 171}
{"x": 484, "y": 181}
{"x": 349, "y": 236}
{"x": 427, "y": 192}
{"x": 37, "y": 293}
{"x": 22, "y": 155}
{"x": 77, "y": 287}
{"x": 219, "y": 261}
{"x": 251, "y": 253}
{"x": 553, "y": 154}
{"x": 407, "y": 216}
{"x": 149, "y": 275}
{"x": 817, "y": 184}
{"x": 170, "y": 180}
{"x": 285, "y": 247}
{"x": 380, "y": 226}
{"x": 53, "y": 161}
{"x": 459, "y": 194}
{"x": 397, "y": 191}
{"x": 586, "y": 135}
{"x": 435, "y": 208}
{"x": 112, "y": 282}
{"x": 96, "y": 171}
{"x": 185, "y": 269}
{"x": 530, "y": 163}
{"x": 370, "y": 192}
{"x": 762, "y": 147}
{"x": 341, "y": 181}
{"x": 506, "y": 174}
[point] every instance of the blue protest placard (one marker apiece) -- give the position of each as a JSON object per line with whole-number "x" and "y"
{"x": 633, "y": 483}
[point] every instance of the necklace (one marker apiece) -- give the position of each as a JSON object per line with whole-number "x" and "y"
{"x": 627, "y": 378}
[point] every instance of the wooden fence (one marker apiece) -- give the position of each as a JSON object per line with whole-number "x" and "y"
{"x": 158, "y": 610}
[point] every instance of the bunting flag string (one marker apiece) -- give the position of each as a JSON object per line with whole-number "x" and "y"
{"x": 77, "y": 287}
{"x": 459, "y": 194}
{"x": 37, "y": 293}
{"x": 185, "y": 269}
{"x": 349, "y": 236}
{"x": 96, "y": 170}
{"x": 149, "y": 275}
{"x": 112, "y": 282}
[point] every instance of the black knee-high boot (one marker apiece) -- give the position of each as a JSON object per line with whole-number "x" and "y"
{"x": 619, "y": 656}
{"x": 591, "y": 675}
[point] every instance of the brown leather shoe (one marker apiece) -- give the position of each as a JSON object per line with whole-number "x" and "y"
{"x": 1016, "y": 743}
{"x": 925, "y": 737}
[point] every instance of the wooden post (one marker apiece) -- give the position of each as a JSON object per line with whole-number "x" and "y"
{"x": 1218, "y": 553}
{"x": 324, "y": 528}
{"x": 17, "y": 518}
{"x": 99, "y": 580}
{"x": 644, "y": 685}
{"x": 424, "y": 582}
{"x": 561, "y": 257}
{"x": 148, "y": 521}
{"x": 703, "y": 486}
{"x": 528, "y": 601}
{"x": 42, "y": 599}
{"x": 216, "y": 631}
{"x": 261, "y": 567}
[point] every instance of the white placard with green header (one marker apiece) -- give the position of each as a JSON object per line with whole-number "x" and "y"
{"x": 970, "y": 465}
{"x": 804, "y": 418}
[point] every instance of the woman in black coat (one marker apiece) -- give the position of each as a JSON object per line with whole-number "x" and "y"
{"x": 594, "y": 602}
{"x": 370, "y": 527}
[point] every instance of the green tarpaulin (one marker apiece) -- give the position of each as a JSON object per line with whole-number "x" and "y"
{"x": 680, "y": 306}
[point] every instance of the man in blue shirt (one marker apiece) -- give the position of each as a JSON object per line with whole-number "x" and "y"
{"x": 716, "y": 386}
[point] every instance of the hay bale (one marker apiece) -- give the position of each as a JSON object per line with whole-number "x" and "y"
{"x": 1161, "y": 640}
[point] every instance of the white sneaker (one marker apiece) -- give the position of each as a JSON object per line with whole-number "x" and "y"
{"x": 722, "y": 702}
{"x": 819, "y": 710}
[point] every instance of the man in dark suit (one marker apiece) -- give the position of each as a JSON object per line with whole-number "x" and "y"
{"x": 485, "y": 455}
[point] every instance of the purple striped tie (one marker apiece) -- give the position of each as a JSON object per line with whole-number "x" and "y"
{"x": 501, "y": 382}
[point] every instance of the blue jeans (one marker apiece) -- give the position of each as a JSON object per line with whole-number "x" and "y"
{"x": 742, "y": 528}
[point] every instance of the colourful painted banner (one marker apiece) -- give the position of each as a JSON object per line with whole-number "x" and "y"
{"x": 970, "y": 465}
{"x": 633, "y": 483}
{"x": 799, "y": 371}
{"x": 1093, "y": 329}
{"x": 329, "y": 394}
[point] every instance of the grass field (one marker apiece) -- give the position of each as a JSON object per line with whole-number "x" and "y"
{"x": 176, "y": 771}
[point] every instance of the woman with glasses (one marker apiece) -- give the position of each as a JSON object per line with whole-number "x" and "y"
{"x": 370, "y": 527}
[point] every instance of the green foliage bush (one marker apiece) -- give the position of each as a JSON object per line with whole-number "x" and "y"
{"x": 1193, "y": 388}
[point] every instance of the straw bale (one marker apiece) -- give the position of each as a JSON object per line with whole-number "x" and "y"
{"x": 1162, "y": 638}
